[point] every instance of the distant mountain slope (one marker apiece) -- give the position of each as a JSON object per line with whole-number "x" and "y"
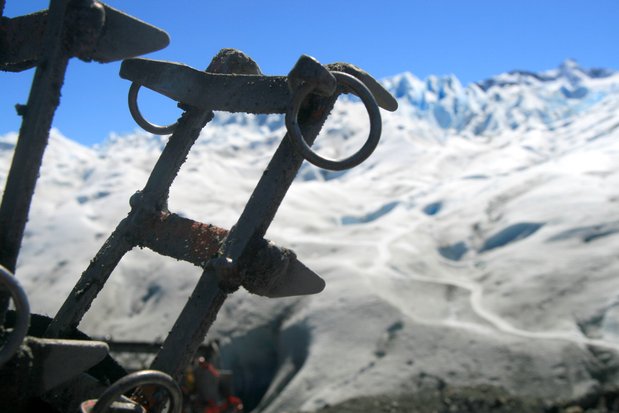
{"x": 478, "y": 245}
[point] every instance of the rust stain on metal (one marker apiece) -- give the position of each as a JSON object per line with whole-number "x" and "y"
{"x": 181, "y": 238}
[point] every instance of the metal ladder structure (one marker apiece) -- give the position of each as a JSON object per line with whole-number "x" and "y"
{"x": 48, "y": 362}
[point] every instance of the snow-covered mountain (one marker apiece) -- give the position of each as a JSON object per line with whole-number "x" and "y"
{"x": 507, "y": 101}
{"x": 478, "y": 245}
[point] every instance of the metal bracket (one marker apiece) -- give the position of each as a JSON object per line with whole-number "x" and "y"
{"x": 261, "y": 94}
{"x": 94, "y": 31}
{"x": 249, "y": 93}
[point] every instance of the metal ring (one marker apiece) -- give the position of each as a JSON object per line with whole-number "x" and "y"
{"x": 362, "y": 154}
{"x": 22, "y": 315}
{"x": 136, "y": 379}
{"x": 139, "y": 119}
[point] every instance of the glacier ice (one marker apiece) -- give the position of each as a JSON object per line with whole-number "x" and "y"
{"x": 426, "y": 281}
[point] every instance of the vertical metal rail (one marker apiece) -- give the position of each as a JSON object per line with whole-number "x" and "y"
{"x": 33, "y": 137}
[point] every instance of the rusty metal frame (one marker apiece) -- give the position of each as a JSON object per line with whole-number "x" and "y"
{"x": 232, "y": 82}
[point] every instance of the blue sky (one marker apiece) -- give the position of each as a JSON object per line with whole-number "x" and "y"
{"x": 472, "y": 39}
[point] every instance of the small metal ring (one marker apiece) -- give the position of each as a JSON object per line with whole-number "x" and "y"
{"x": 139, "y": 119}
{"x": 22, "y": 315}
{"x": 362, "y": 154}
{"x": 140, "y": 378}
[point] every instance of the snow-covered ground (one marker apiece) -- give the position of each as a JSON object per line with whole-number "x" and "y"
{"x": 478, "y": 245}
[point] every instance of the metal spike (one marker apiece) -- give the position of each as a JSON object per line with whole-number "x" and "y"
{"x": 125, "y": 36}
{"x": 384, "y": 99}
{"x": 43, "y": 364}
{"x": 122, "y": 36}
{"x": 58, "y": 361}
{"x": 276, "y": 272}
{"x": 297, "y": 280}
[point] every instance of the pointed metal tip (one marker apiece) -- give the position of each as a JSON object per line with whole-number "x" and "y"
{"x": 125, "y": 36}
{"x": 137, "y": 69}
{"x": 289, "y": 277}
{"x": 61, "y": 360}
{"x": 389, "y": 102}
{"x": 384, "y": 99}
{"x": 297, "y": 280}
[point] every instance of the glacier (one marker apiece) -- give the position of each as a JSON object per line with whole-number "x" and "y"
{"x": 477, "y": 246}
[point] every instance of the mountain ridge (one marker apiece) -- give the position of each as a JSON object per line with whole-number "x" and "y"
{"x": 506, "y": 100}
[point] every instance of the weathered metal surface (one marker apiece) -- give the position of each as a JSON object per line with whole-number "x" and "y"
{"x": 124, "y": 36}
{"x": 33, "y": 135}
{"x": 122, "y": 406}
{"x": 238, "y": 92}
{"x": 141, "y": 378}
{"x": 180, "y": 238}
{"x": 294, "y": 132}
{"x": 22, "y": 309}
{"x": 95, "y": 31}
{"x": 62, "y": 360}
{"x": 308, "y": 72}
{"x": 18, "y": 50}
{"x": 275, "y": 271}
{"x": 43, "y": 364}
{"x": 384, "y": 99}
{"x": 84, "y": 21}
{"x": 139, "y": 118}
{"x": 211, "y": 91}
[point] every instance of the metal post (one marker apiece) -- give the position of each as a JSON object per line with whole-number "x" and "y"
{"x": 33, "y": 137}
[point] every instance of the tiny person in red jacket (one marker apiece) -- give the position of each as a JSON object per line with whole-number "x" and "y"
{"x": 209, "y": 389}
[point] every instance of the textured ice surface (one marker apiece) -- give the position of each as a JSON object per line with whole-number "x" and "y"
{"x": 477, "y": 245}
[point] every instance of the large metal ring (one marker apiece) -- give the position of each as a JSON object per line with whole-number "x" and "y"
{"x": 362, "y": 154}
{"x": 141, "y": 378}
{"x": 22, "y": 315}
{"x": 139, "y": 119}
